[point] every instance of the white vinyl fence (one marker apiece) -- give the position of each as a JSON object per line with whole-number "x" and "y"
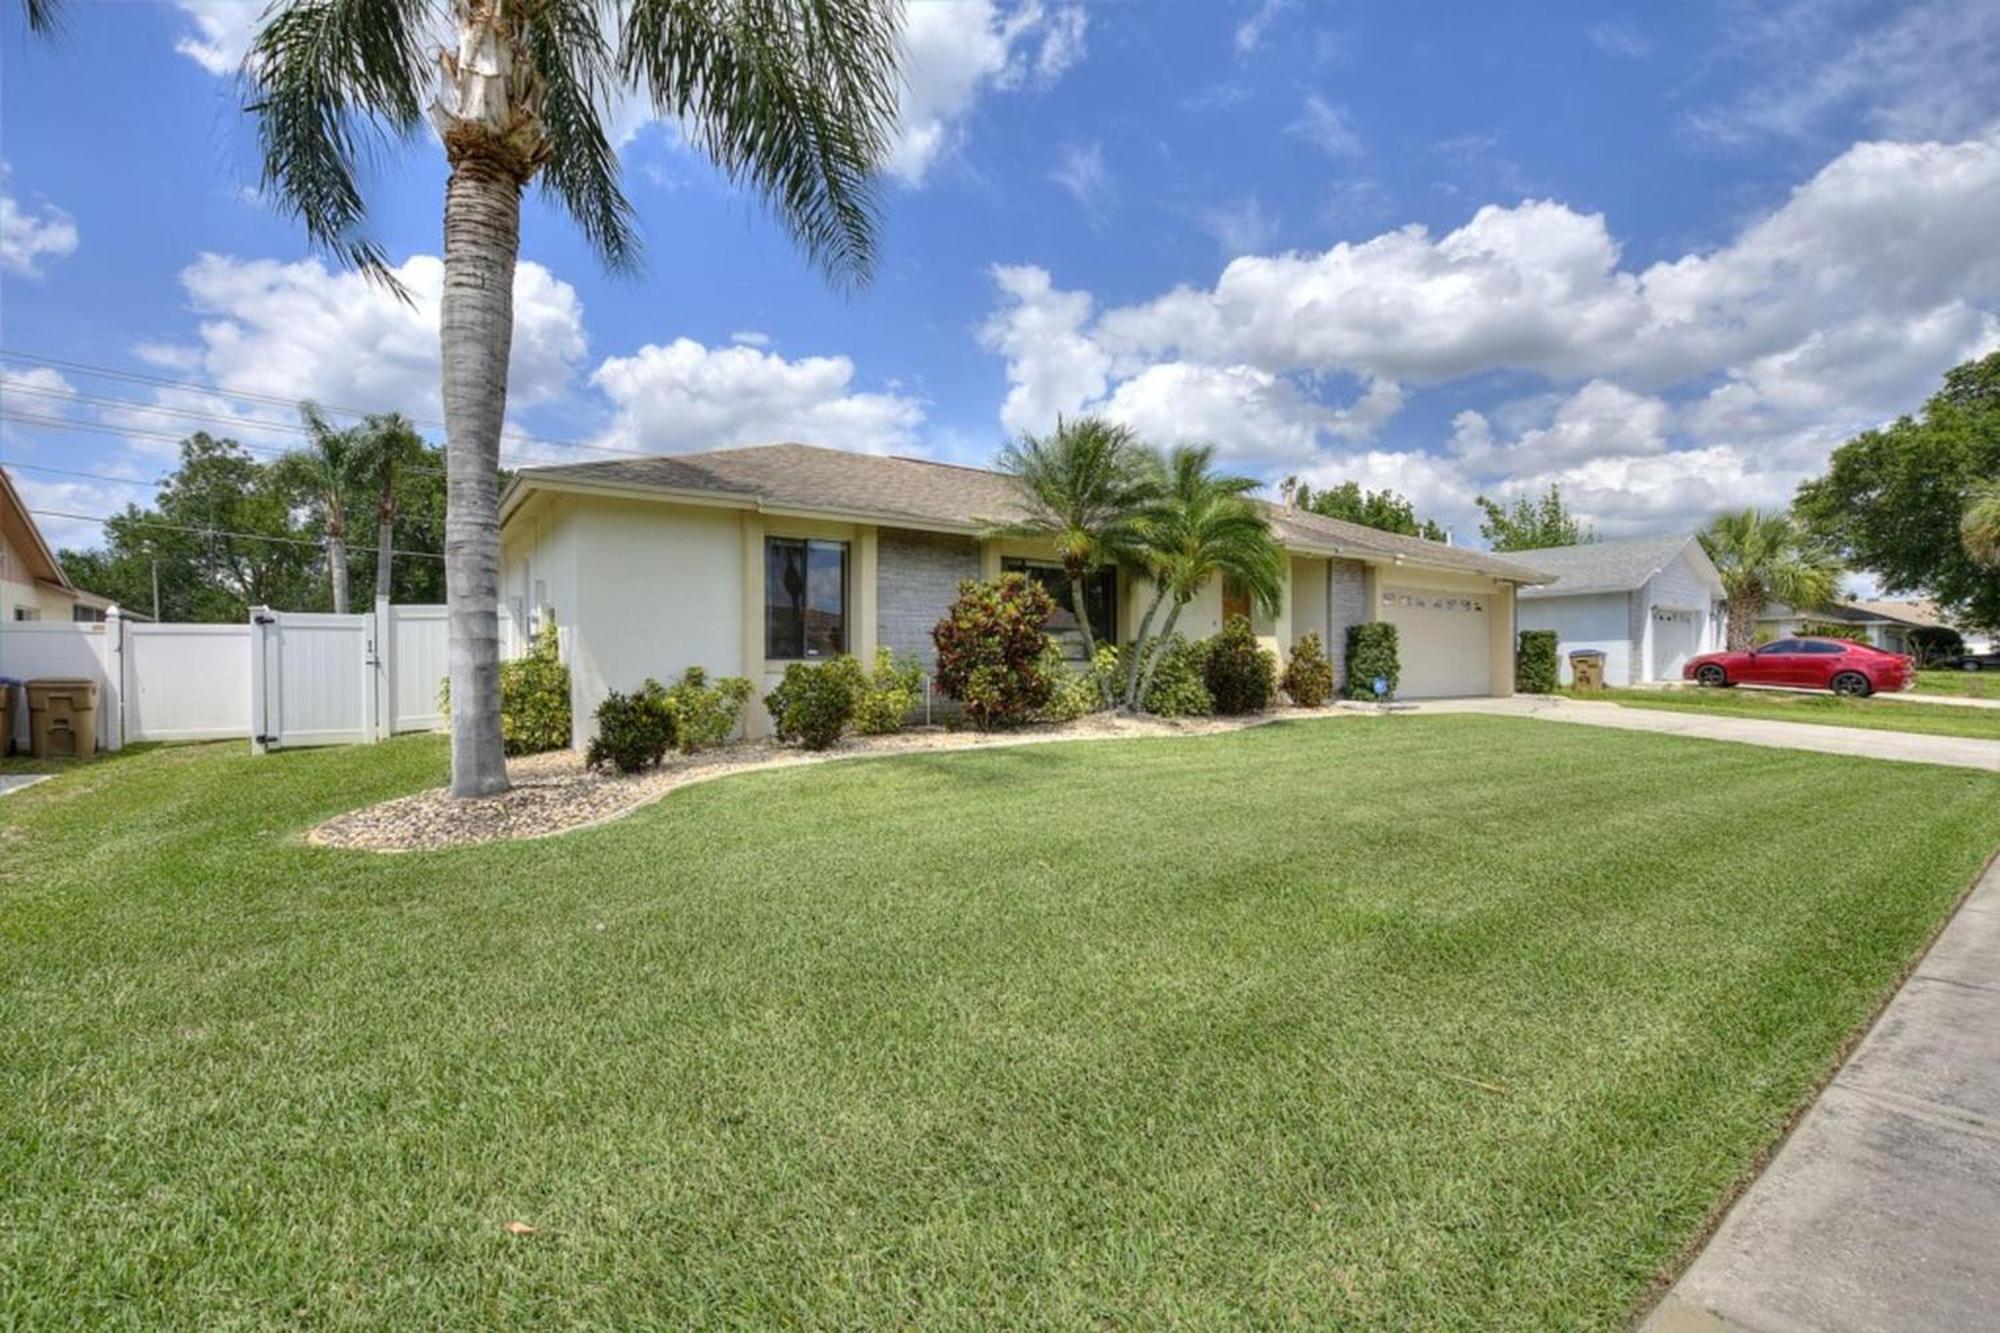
{"x": 285, "y": 678}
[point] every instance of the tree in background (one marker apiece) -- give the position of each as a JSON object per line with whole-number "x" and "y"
{"x": 326, "y": 474}
{"x": 1084, "y": 490}
{"x": 387, "y": 447}
{"x": 1897, "y": 500}
{"x": 1979, "y": 530}
{"x": 1532, "y": 525}
{"x": 1384, "y": 510}
{"x": 796, "y": 98}
{"x": 1764, "y": 555}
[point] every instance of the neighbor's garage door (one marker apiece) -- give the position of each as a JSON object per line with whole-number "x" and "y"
{"x": 1676, "y": 636}
{"x": 1443, "y": 638}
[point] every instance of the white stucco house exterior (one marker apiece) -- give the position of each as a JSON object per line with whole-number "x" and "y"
{"x": 743, "y": 560}
{"x": 1647, "y": 605}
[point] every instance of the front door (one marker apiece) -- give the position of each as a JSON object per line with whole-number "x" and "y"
{"x": 1235, "y": 600}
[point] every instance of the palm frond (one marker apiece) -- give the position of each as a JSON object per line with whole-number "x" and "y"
{"x": 566, "y": 41}
{"x": 322, "y": 77}
{"x": 795, "y": 97}
{"x": 1980, "y": 528}
{"x": 45, "y": 17}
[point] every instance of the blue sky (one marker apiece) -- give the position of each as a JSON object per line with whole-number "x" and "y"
{"x": 1667, "y": 256}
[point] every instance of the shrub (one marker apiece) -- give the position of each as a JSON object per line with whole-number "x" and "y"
{"x": 991, "y": 649}
{"x": 1180, "y": 686}
{"x": 1535, "y": 670}
{"x": 812, "y": 704}
{"x": 534, "y": 697}
{"x": 1075, "y": 694}
{"x": 705, "y": 714}
{"x": 1242, "y": 674}
{"x": 1933, "y": 643}
{"x": 634, "y": 730}
{"x": 1833, "y": 629}
{"x": 1371, "y": 652}
{"x": 1308, "y": 679}
{"x": 888, "y": 695}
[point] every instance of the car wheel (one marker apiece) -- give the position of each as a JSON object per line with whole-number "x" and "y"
{"x": 1711, "y": 675}
{"x": 1968, "y": 666}
{"x": 1852, "y": 684}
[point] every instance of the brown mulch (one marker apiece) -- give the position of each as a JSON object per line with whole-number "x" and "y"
{"x": 554, "y": 793}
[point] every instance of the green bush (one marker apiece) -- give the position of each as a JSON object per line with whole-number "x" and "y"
{"x": 990, "y": 650}
{"x": 1308, "y": 679}
{"x": 706, "y": 715}
{"x": 1371, "y": 652}
{"x": 1180, "y": 685}
{"x": 634, "y": 731}
{"x": 1833, "y": 629}
{"x": 1075, "y": 693}
{"x": 1535, "y": 669}
{"x": 534, "y": 697}
{"x": 1241, "y": 673}
{"x": 812, "y": 704}
{"x": 886, "y": 699}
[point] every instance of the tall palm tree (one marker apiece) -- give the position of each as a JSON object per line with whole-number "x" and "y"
{"x": 794, "y": 97}
{"x": 1085, "y": 490}
{"x": 387, "y": 446}
{"x": 1763, "y": 555}
{"x": 327, "y": 472}
{"x": 1980, "y": 528}
{"x": 1204, "y": 526}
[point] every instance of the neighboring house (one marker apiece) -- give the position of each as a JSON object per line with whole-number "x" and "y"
{"x": 744, "y": 560}
{"x": 1884, "y": 624}
{"x": 33, "y": 585}
{"x": 1647, "y": 605}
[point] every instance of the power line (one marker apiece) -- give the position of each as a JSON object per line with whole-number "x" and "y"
{"x": 92, "y": 476}
{"x": 223, "y": 532}
{"x": 220, "y": 424}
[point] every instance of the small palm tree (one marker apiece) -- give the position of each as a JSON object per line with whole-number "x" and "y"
{"x": 327, "y": 472}
{"x": 1980, "y": 528}
{"x": 386, "y": 447}
{"x": 1764, "y": 555}
{"x": 1086, "y": 490}
{"x": 1204, "y": 526}
{"x": 794, "y": 97}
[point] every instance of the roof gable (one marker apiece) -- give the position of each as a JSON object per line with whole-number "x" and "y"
{"x": 26, "y": 537}
{"x": 1623, "y": 566}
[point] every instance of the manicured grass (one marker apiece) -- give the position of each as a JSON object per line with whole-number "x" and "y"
{"x": 1395, "y": 1022}
{"x": 1965, "y": 684}
{"x": 1832, "y": 710}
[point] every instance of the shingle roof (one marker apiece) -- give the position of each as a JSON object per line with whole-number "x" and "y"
{"x": 1858, "y": 613}
{"x": 1602, "y": 566}
{"x": 929, "y": 494}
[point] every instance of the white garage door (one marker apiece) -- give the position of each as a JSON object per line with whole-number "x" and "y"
{"x": 1676, "y": 636}
{"x": 1443, "y": 640}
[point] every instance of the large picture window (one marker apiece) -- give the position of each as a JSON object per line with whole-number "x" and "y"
{"x": 1100, "y": 596}
{"x": 805, "y": 598}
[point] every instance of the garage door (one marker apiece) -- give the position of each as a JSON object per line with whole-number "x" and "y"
{"x": 1676, "y": 636}
{"x": 1443, "y": 638}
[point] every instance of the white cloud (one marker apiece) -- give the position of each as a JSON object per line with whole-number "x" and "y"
{"x": 955, "y": 52}
{"x": 1327, "y": 127}
{"x": 1080, "y": 171}
{"x": 1618, "y": 37}
{"x": 29, "y": 235}
{"x": 1251, "y": 32}
{"x": 1052, "y": 366}
{"x": 221, "y": 32}
{"x": 685, "y": 397}
{"x": 1240, "y": 227}
{"x": 750, "y": 338}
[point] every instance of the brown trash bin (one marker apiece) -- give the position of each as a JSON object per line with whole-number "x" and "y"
{"x": 6, "y": 719}
{"x": 1586, "y": 669}
{"x": 62, "y": 718}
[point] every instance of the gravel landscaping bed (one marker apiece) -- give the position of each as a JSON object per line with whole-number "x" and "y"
{"x": 554, "y": 793}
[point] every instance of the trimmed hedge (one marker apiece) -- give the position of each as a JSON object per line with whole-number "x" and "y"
{"x": 1535, "y": 662}
{"x": 634, "y": 731}
{"x": 705, "y": 714}
{"x": 889, "y": 695}
{"x": 812, "y": 704}
{"x": 1241, "y": 673}
{"x": 1308, "y": 680}
{"x": 1371, "y": 652}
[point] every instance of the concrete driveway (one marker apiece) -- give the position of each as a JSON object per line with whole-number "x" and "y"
{"x": 1905, "y": 747}
{"x": 1882, "y": 1210}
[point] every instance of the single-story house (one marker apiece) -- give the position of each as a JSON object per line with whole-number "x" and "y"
{"x": 1647, "y": 605}
{"x": 1886, "y": 624}
{"x": 33, "y": 585}
{"x": 744, "y": 560}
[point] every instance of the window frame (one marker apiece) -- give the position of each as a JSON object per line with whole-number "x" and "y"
{"x": 776, "y": 651}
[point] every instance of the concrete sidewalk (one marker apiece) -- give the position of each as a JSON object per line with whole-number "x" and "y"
{"x": 1882, "y": 1210}
{"x": 1903, "y": 746}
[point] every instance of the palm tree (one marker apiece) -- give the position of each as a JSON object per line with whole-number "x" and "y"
{"x": 386, "y": 446}
{"x": 794, "y": 97}
{"x": 1204, "y": 525}
{"x": 327, "y": 472}
{"x": 1980, "y": 528}
{"x": 1085, "y": 489}
{"x": 1762, "y": 555}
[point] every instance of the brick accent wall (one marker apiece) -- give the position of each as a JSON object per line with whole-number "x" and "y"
{"x": 1346, "y": 604}
{"x": 917, "y": 575}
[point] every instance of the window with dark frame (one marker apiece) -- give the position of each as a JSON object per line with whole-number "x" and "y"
{"x": 805, "y": 598}
{"x": 1100, "y": 595}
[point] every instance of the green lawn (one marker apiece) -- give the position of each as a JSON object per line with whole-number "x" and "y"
{"x": 1396, "y": 1022}
{"x": 1833, "y": 710}
{"x": 1966, "y": 684}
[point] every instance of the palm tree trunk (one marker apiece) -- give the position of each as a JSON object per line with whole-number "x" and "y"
{"x": 1139, "y": 647}
{"x": 1153, "y": 659}
{"x": 1744, "y": 609}
{"x": 336, "y": 567}
{"x": 1080, "y": 605}
{"x": 385, "y": 537}
{"x": 482, "y": 231}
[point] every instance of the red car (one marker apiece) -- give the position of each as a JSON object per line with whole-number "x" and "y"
{"x": 1807, "y": 664}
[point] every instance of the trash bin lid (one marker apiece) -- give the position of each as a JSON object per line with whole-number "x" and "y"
{"x": 1585, "y": 652}
{"x": 61, "y": 682}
